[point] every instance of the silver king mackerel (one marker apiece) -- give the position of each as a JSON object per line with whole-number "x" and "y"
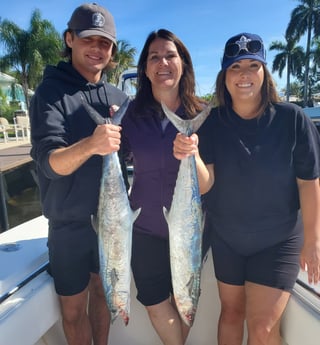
{"x": 185, "y": 222}
{"x": 114, "y": 227}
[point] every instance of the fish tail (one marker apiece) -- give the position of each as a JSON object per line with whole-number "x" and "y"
{"x": 187, "y": 126}
{"x": 118, "y": 115}
{"x": 100, "y": 120}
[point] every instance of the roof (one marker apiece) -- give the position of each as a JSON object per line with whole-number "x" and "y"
{"x": 5, "y": 78}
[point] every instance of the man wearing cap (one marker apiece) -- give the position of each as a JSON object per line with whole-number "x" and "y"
{"x": 67, "y": 147}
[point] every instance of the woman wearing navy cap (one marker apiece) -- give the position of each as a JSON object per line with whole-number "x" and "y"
{"x": 262, "y": 167}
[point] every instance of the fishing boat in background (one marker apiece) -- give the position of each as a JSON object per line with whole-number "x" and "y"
{"x": 30, "y": 313}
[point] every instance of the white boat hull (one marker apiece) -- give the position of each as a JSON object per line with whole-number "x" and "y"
{"x": 31, "y": 315}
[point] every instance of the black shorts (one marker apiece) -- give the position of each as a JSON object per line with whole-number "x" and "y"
{"x": 73, "y": 255}
{"x": 275, "y": 266}
{"x": 151, "y": 268}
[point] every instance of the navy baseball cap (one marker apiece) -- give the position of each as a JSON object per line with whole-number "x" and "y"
{"x": 243, "y": 46}
{"x": 90, "y": 20}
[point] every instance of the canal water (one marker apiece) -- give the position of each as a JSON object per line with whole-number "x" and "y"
{"x": 22, "y": 195}
{"x": 24, "y": 206}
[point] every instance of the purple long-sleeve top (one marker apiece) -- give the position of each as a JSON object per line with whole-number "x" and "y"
{"x": 150, "y": 140}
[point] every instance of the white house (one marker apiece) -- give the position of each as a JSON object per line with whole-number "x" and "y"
{"x": 12, "y": 90}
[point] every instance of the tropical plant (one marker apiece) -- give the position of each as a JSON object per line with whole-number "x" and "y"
{"x": 316, "y": 57}
{"x": 124, "y": 58}
{"x": 7, "y": 108}
{"x": 208, "y": 97}
{"x": 28, "y": 51}
{"x": 305, "y": 19}
{"x": 297, "y": 89}
{"x": 313, "y": 85}
{"x": 290, "y": 56}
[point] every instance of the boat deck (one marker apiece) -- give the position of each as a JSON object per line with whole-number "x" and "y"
{"x": 14, "y": 156}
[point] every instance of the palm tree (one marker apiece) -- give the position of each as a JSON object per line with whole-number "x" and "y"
{"x": 316, "y": 56}
{"x": 297, "y": 89}
{"x": 305, "y": 18}
{"x": 314, "y": 77}
{"x": 290, "y": 56}
{"x": 28, "y": 51}
{"x": 124, "y": 58}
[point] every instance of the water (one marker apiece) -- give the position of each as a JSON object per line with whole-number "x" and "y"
{"x": 22, "y": 195}
{"x": 24, "y": 206}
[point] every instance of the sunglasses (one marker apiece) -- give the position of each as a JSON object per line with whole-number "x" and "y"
{"x": 233, "y": 49}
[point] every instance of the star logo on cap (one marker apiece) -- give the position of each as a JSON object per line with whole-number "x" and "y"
{"x": 242, "y": 42}
{"x": 98, "y": 20}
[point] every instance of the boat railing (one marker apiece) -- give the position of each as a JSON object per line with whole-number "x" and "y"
{"x": 310, "y": 296}
{"x": 23, "y": 282}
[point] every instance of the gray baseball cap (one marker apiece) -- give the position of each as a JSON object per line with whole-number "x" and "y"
{"x": 92, "y": 19}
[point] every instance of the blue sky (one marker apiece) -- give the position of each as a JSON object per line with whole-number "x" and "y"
{"x": 203, "y": 26}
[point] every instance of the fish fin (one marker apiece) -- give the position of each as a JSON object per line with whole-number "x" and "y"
{"x": 114, "y": 316}
{"x": 166, "y": 213}
{"x": 135, "y": 214}
{"x": 187, "y": 126}
{"x": 94, "y": 222}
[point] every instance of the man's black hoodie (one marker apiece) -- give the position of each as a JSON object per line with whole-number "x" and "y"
{"x": 58, "y": 119}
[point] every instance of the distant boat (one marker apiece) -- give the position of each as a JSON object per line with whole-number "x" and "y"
{"x": 313, "y": 113}
{"x": 30, "y": 314}
{"x": 128, "y": 82}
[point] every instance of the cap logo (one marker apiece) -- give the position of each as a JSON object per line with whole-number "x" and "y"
{"x": 242, "y": 42}
{"x": 98, "y": 20}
